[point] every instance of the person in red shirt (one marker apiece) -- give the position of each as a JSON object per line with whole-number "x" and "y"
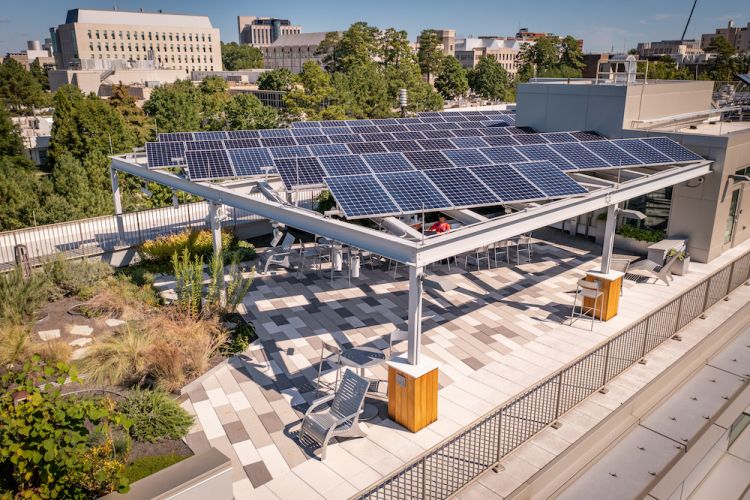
{"x": 441, "y": 226}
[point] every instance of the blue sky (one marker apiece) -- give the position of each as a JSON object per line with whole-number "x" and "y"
{"x": 601, "y": 23}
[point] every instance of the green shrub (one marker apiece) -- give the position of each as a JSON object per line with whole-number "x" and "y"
{"x": 20, "y": 298}
{"x": 640, "y": 234}
{"x": 76, "y": 277}
{"x": 121, "y": 358}
{"x": 154, "y": 415}
{"x": 197, "y": 243}
{"x": 324, "y": 201}
{"x": 145, "y": 466}
{"x": 241, "y": 338}
{"x": 241, "y": 252}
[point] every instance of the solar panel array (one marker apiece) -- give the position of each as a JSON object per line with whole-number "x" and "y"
{"x": 448, "y": 159}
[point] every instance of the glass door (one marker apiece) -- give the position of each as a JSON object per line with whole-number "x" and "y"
{"x": 732, "y": 217}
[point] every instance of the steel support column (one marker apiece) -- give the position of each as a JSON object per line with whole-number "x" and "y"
{"x": 609, "y": 238}
{"x": 415, "y": 313}
{"x": 215, "y": 221}
{"x": 117, "y": 198}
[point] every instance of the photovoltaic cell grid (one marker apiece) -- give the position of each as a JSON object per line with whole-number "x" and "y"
{"x": 297, "y": 172}
{"x": 549, "y": 179}
{"x": 208, "y": 165}
{"x": 461, "y": 188}
{"x": 165, "y": 154}
{"x": 507, "y": 183}
{"x": 249, "y": 161}
{"x": 361, "y": 195}
{"x": 344, "y": 165}
{"x": 412, "y": 191}
{"x": 387, "y": 162}
{"x": 466, "y": 157}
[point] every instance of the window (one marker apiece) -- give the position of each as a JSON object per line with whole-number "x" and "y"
{"x": 105, "y": 35}
{"x": 128, "y": 34}
{"x": 203, "y": 37}
{"x": 120, "y": 35}
{"x": 91, "y": 47}
{"x": 106, "y": 46}
{"x": 209, "y": 37}
{"x": 170, "y": 37}
{"x": 99, "y": 47}
{"x": 97, "y": 34}
{"x": 89, "y": 33}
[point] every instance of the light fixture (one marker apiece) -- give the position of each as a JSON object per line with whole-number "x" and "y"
{"x": 631, "y": 214}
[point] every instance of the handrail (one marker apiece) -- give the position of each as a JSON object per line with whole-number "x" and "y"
{"x": 451, "y": 465}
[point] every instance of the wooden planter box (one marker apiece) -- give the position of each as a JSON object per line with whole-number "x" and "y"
{"x": 631, "y": 245}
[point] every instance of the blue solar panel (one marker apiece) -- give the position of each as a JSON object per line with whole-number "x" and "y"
{"x": 445, "y": 126}
{"x": 344, "y": 165}
{"x": 368, "y": 129}
{"x": 299, "y": 172}
{"x": 454, "y": 117}
{"x": 461, "y": 188}
{"x": 471, "y": 124}
{"x": 207, "y": 165}
{"x": 243, "y": 134}
{"x": 427, "y": 159}
{"x": 329, "y": 149}
{"x": 345, "y": 138}
{"x": 313, "y": 139}
{"x": 412, "y": 191}
{"x": 469, "y": 142}
{"x": 301, "y": 132}
{"x": 612, "y": 154}
{"x": 361, "y": 196}
{"x": 378, "y": 137}
{"x": 305, "y": 124}
{"x": 366, "y": 147}
{"x": 402, "y": 146}
{"x": 466, "y": 157}
{"x": 579, "y": 156}
{"x": 408, "y": 136}
{"x": 384, "y": 121}
{"x": 495, "y": 131}
{"x": 165, "y": 154}
{"x": 436, "y": 118}
{"x": 406, "y": 121}
{"x": 495, "y": 123}
{"x": 675, "y": 151}
{"x": 356, "y": 123}
{"x": 418, "y": 127}
{"x": 199, "y": 145}
{"x": 553, "y": 182}
{"x": 436, "y": 144}
{"x": 241, "y": 143}
{"x": 210, "y": 135}
{"x": 249, "y": 161}
{"x": 503, "y": 155}
{"x": 501, "y": 140}
{"x": 289, "y": 151}
{"x": 275, "y": 132}
{"x": 270, "y": 142}
{"x": 387, "y": 162}
{"x": 337, "y": 130}
{"x": 467, "y": 132}
{"x": 507, "y": 183}
{"x": 393, "y": 128}
{"x": 175, "y": 137}
{"x": 538, "y": 152}
{"x": 333, "y": 123}
{"x": 438, "y": 134}
{"x": 530, "y": 139}
{"x": 642, "y": 151}
{"x": 587, "y": 136}
{"x": 559, "y": 137}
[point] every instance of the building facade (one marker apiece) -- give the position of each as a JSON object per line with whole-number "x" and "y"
{"x": 739, "y": 38}
{"x": 447, "y": 38}
{"x": 503, "y": 50}
{"x": 293, "y": 51}
{"x": 170, "y": 41}
{"x": 263, "y": 31}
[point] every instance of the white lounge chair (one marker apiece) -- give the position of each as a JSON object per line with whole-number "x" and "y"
{"x": 279, "y": 256}
{"x": 651, "y": 269}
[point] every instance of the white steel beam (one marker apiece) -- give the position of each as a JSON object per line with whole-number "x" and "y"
{"x": 117, "y": 199}
{"x": 609, "y": 238}
{"x": 214, "y": 218}
{"x": 415, "y": 314}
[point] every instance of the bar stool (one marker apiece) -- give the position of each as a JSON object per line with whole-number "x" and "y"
{"x": 587, "y": 290}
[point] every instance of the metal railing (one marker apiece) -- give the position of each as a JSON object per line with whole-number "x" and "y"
{"x": 99, "y": 235}
{"x": 448, "y": 467}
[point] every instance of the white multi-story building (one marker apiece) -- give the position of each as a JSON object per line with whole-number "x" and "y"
{"x": 263, "y": 31}
{"x": 504, "y": 50}
{"x": 92, "y": 38}
{"x": 293, "y": 51}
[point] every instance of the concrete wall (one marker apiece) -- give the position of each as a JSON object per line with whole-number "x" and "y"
{"x": 645, "y": 102}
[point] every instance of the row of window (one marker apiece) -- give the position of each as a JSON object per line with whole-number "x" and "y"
{"x": 166, "y": 59}
{"x": 151, "y": 47}
{"x": 163, "y": 61}
{"x": 186, "y": 37}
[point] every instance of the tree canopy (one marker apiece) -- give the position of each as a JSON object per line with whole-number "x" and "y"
{"x": 430, "y": 53}
{"x": 724, "y": 65}
{"x": 235, "y": 57}
{"x": 19, "y": 89}
{"x": 489, "y": 79}
{"x": 451, "y": 80}
{"x": 550, "y": 57}
{"x": 10, "y": 139}
{"x": 277, "y": 79}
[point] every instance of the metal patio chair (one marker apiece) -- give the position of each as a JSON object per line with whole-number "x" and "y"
{"x": 279, "y": 256}
{"x": 621, "y": 265}
{"x": 336, "y": 415}
{"x": 502, "y": 248}
{"x": 477, "y": 257}
{"x": 329, "y": 353}
{"x": 587, "y": 290}
{"x": 651, "y": 269}
{"x": 523, "y": 243}
{"x": 394, "y": 337}
{"x": 310, "y": 252}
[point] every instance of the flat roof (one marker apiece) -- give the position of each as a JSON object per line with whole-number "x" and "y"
{"x": 716, "y": 128}
{"x": 161, "y": 19}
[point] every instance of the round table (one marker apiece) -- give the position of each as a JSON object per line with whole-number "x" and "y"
{"x": 361, "y": 358}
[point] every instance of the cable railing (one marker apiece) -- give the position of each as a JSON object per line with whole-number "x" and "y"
{"x": 451, "y": 465}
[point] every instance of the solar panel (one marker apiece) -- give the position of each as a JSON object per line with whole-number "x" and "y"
{"x": 471, "y": 124}
{"x": 337, "y": 130}
{"x": 467, "y": 132}
{"x": 275, "y": 132}
{"x": 530, "y": 139}
{"x": 207, "y": 165}
{"x": 612, "y": 154}
{"x": 329, "y": 149}
{"x": 378, "y": 137}
{"x": 356, "y": 123}
{"x": 270, "y": 142}
{"x": 538, "y": 152}
{"x": 175, "y": 137}
{"x": 577, "y": 154}
{"x": 299, "y": 172}
{"x": 504, "y": 155}
{"x": 507, "y": 183}
{"x": 675, "y": 151}
{"x": 437, "y": 134}
{"x": 243, "y": 134}
{"x": 241, "y": 143}
{"x": 642, "y": 151}
{"x": 344, "y": 165}
{"x": 387, "y": 162}
{"x": 368, "y": 129}
{"x": 165, "y": 154}
{"x": 332, "y": 123}
{"x": 402, "y": 146}
{"x": 466, "y": 157}
{"x": 313, "y": 139}
{"x": 495, "y": 131}
{"x": 515, "y": 130}
{"x": 418, "y": 127}
{"x": 553, "y": 182}
{"x": 408, "y": 136}
{"x": 406, "y": 121}
{"x": 435, "y": 118}
{"x": 469, "y": 142}
{"x": 454, "y": 117}
{"x": 587, "y": 136}
{"x": 301, "y": 132}
{"x": 445, "y": 126}
{"x": 436, "y": 144}
{"x": 210, "y": 135}
{"x": 495, "y": 123}
{"x": 461, "y": 188}
{"x": 366, "y": 147}
{"x": 412, "y": 191}
{"x": 501, "y": 140}
{"x": 393, "y": 128}
{"x": 289, "y": 151}
{"x": 427, "y": 159}
{"x": 197, "y": 145}
{"x": 559, "y": 137}
{"x": 305, "y": 124}
{"x": 345, "y": 138}
{"x": 384, "y": 121}
{"x": 250, "y": 160}
{"x": 361, "y": 196}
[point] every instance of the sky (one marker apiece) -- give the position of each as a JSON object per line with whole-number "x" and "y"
{"x": 603, "y": 24}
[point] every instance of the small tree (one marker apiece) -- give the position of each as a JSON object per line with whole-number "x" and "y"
{"x": 430, "y": 53}
{"x": 235, "y": 56}
{"x": 724, "y": 66}
{"x": 276, "y": 79}
{"x": 246, "y": 112}
{"x": 489, "y": 79}
{"x": 451, "y": 81}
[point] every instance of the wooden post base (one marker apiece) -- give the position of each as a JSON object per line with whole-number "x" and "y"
{"x": 610, "y": 285}
{"x": 412, "y": 392}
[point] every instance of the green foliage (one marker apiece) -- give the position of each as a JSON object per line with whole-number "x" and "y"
{"x": 19, "y": 90}
{"x": 235, "y": 57}
{"x": 39, "y": 73}
{"x": 21, "y": 298}
{"x": 21, "y": 192}
{"x": 664, "y": 69}
{"x": 214, "y": 96}
{"x": 45, "y": 449}
{"x": 324, "y": 201}
{"x": 489, "y": 79}
{"x": 119, "y": 359}
{"x": 145, "y": 466}
{"x": 134, "y": 117}
{"x": 395, "y": 48}
{"x": 237, "y": 286}
{"x": 681, "y": 254}
{"x": 640, "y": 234}
{"x": 451, "y": 80}
{"x": 362, "y": 92}
{"x": 10, "y": 136}
{"x": 242, "y": 251}
{"x": 724, "y": 66}
{"x": 276, "y": 79}
{"x": 550, "y": 57}
{"x": 430, "y": 53}
{"x": 154, "y": 416}
{"x": 241, "y": 338}
{"x": 13, "y": 343}
{"x": 74, "y": 277}
{"x": 246, "y": 112}
{"x": 188, "y": 275}
{"x": 197, "y": 243}
{"x": 175, "y": 107}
